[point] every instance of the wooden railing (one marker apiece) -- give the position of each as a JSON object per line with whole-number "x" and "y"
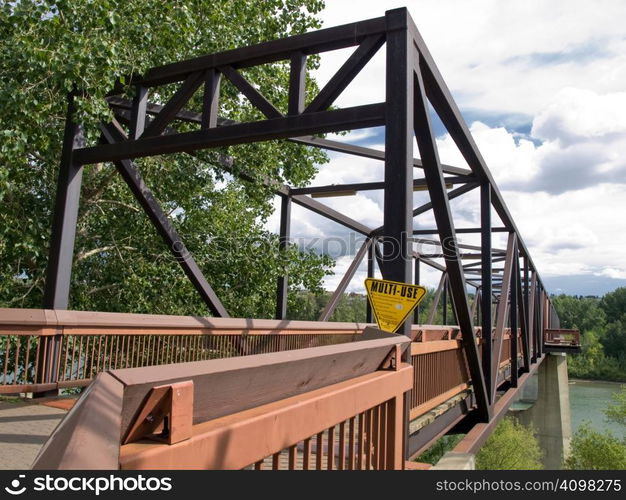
{"x": 439, "y": 373}
{"x": 562, "y": 336}
{"x": 363, "y": 430}
{"x": 331, "y": 407}
{"x": 440, "y": 369}
{"x": 43, "y": 350}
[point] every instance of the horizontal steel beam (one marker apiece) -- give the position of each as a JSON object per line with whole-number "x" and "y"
{"x": 371, "y": 186}
{"x": 463, "y": 256}
{"x": 364, "y": 152}
{"x": 327, "y": 144}
{"x": 314, "y": 42}
{"x": 465, "y": 230}
{"x": 329, "y": 213}
{"x": 370, "y": 115}
{"x": 459, "y": 245}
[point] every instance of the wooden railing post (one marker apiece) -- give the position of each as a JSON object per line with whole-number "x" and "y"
{"x": 395, "y": 434}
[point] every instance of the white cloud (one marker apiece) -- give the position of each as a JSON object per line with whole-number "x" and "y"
{"x": 511, "y": 159}
{"x": 580, "y": 114}
{"x": 348, "y": 169}
{"x": 611, "y": 272}
{"x": 500, "y": 56}
{"x": 574, "y": 232}
{"x": 558, "y": 65}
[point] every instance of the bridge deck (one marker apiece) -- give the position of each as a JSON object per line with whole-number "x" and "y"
{"x": 25, "y": 428}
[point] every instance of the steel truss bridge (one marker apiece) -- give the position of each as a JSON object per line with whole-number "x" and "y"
{"x": 195, "y": 392}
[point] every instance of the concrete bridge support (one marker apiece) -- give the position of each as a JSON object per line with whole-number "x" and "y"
{"x": 550, "y": 415}
{"x": 456, "y": 461}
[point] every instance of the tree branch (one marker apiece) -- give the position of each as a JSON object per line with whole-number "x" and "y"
{"x": 94, "y": 251}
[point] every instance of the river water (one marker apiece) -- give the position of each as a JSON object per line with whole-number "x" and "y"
{"x": 588, "y": 399}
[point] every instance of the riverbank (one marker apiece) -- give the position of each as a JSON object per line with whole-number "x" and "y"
{"x": 620, "y": 378}
{"x": 576, "y": 379}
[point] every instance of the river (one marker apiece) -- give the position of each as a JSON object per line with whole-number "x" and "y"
{"x": 588, "y": 399}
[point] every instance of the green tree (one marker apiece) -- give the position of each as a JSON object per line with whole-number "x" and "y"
{"x": 616, "y": 411}
{"x": 440, "y": 448}
{"x": 614, "y": 304}
{"x": 603, "y": 344}
{"x": 512, "y": 446}
{"x": 583, "y": 313}
{"x": 614, "y": 340}
{"x": 592, "y": 450}
{"x": 50, "y": 47}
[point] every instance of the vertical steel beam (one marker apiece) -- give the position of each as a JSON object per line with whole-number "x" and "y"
{"x": 523, "y": 318}
{"x": 532, "y": 319}
{"x": 61, "y": 253}
{"x": 502, "y": 314}
{"x": 540, "y": 319}
{"x": 370, "y": 274}
{"x": 211, "y": 99}
{"x": 416, "y": 281}
{"x": 486, "y": 281}
{"x": 138, "y": 112}
{"x": 444, "y": 305}
{"x": 398, "y": 193}
{"x": 447, "y": 235}
{"x": 297, "y": 79}
{"x": 536, "y": 318}
{"x": 282, "y": 287}
{"x": 514, "y": 316}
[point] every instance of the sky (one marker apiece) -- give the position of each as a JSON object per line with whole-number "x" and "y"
{"x": 542, "y": 86}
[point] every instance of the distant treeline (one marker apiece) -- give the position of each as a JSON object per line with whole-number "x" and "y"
{"x": 602, "y": 323}
{"x": 304, "y": 305}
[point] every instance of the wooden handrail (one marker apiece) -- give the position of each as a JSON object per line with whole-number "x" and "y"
{"x": 284, "y": 396}
{"x": 283, "y": 424}
{"x": 49, "y": 322}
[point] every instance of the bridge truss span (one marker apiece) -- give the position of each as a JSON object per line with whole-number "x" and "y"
{"x": 498, "y": 340}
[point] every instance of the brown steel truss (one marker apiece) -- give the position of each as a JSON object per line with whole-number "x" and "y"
{"x": 413, "y": 82}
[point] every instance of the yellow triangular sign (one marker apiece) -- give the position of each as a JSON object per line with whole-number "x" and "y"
{"x": 392, "y": 301}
